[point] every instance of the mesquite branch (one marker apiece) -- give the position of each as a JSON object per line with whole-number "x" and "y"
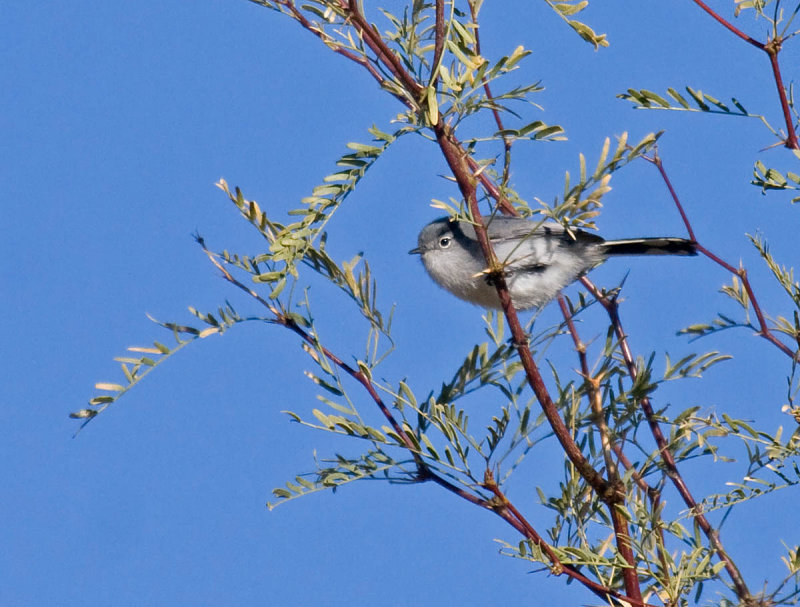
{"x": 462, "y": 167}
{"x": 282, "y": 319}
{"x": 507, "y": 141}
{"x": 763, "y": 327}
{"x": 388, "y": 69}
{"x": 772, "y": 47}
{"x": 610, "y": 448}
{"x": 500, "y": 505}
{"x": 612, "y": 309}
{"x": 606, "y": 491}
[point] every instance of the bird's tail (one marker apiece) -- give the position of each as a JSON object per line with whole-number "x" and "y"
{"x": 650, "y": 246}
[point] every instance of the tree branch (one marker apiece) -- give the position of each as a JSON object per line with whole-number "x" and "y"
{"x": 503, "y": 507}
{"x": 763, "y": 328}
{"x": 456, "y": 160}
{"x": 384, "y": 54}
{"x": 491, "y": 188}
{"x": 331, "y": 43}
{"x": 507, "y": 142}
{"x": 671, "y": 468}
{"x": 289, "y": 323}
{"x": 438, "y": 44}
{"x": 772, "y": 48}
{"x": 728, "y": 25}
{"x": 621, "y": 530}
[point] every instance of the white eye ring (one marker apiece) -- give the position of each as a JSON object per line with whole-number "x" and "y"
{"x": 444, "y": 242}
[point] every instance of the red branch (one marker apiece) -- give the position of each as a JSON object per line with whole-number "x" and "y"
{"x": 375, "y": 42}
{"x": 503, "y": 508}
{"x": 609, "y": 445}
{"x": 459, "y": 162}
{"x": 438, "y": 44}
{"x": 728, "y": 25}
{"x": 609, "y": 493}
{"x": 463, "y": 168}
{"x": 503, "y": 505}
{"x": 771, "y": 48}
{"x": 289, "y": 323}
{"x": 308, "y": 26}
{"x": 507, "y": 142}
{"x": 763, "y": 328}
{"x": 670, "y": 467}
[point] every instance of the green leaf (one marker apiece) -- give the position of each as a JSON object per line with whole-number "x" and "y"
{"x": 84, "y": 414}
{"x": 109, "y": 386}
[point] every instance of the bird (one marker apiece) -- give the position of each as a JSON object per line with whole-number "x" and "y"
{"x": 539, "y": 258}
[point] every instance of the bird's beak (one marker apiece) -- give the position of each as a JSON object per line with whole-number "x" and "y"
{"x": 415, "y": 251}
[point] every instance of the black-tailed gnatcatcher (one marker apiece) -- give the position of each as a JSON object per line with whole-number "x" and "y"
{"x": 539, "y": 258}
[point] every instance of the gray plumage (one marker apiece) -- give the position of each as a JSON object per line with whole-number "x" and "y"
{"x": 539, "y": 258}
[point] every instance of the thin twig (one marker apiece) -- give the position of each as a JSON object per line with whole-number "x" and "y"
{"x": 335, "y": 47}
{"x": 653, "y": 495}
{"x": 763, "y": 327}
{"x": 384, "y": 54}
{"x": 456, "y": 160}
{"x": 503, "y": 504}
{"x": 620, "y": 523}
{"x": 671, "y": 468}
{"x": 507, "y": 141}
{"x": 289, "y": 323}
{"x": 491, "y": 188}
{"x": 438, "y": 43}
{"x": 771, "y": 48}
{"x": 593, "y": 389}
{"x": 728, "y": 24}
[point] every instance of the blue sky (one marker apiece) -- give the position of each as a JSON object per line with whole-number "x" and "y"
{"x": 117, "y": 120}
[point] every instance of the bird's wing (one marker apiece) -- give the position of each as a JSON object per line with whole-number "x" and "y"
{"x": 502, "y": 228}
{"x": 517, "y": 228}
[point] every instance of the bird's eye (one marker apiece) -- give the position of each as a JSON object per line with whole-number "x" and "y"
{"x": 444, "y": 242}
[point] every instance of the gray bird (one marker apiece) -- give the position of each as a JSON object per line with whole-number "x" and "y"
{"x": 539, "y": 258}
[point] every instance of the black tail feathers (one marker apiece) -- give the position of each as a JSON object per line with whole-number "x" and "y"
{"x": 651, "y": 246}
